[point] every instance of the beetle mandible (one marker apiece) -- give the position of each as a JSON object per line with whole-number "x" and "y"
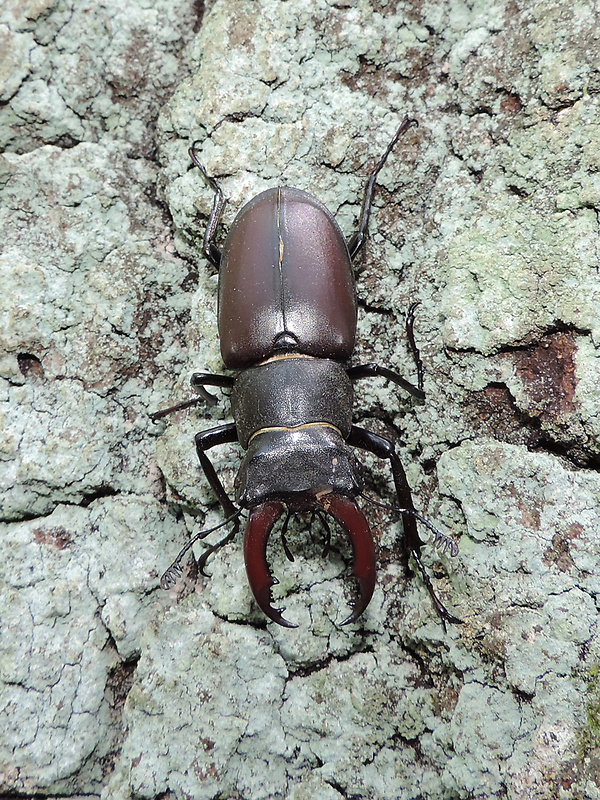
{"x": 287, "y": 314}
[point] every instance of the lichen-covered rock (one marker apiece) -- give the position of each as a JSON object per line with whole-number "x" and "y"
{"x": 73, "y": 72}
{"x": 71, "y": 624}
{"x": 487, "y": 214}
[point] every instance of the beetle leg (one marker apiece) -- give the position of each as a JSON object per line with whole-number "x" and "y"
{"x": 223, "y": 434}
{"x": 156, "y": 415}
{"x": 198, "y": 380}
{"x": 258, "y": 529}
{"x": 358, "y": 239}
{"x": 385, "y": 449}
{"x": 211, "y": 251}
{"x": 201, "y": 379}
{"x": 204, "y": 441}
{"x": 286, "y": 548}
{"x": 375, "y": 370}
{"x": 327, "y": 529}
{"x": 351, "y": 518}
{"x": 201, "y": 563}
{"x": 410, "y": 320}
{"x": 172, "y": 574}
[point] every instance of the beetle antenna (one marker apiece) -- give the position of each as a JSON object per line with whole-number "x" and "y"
{"x": 327, "y": 529}
{"x": 284, "y": 541}
{"x": 173, "y": 573}
{"x": 440, "y": 542}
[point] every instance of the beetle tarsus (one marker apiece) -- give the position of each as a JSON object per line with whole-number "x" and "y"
{"x": 201, "y": 563}
{"x": 440, "y": 607}
{"x": 164, "y": 412}
{"x": 286, "y": 548}
{"x": 327, "y": 529}
{"x": 410, "y": 321}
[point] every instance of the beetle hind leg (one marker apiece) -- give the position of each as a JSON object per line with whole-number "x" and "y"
{"x": 357, "y": 240}
{"x": 211, "y": 251}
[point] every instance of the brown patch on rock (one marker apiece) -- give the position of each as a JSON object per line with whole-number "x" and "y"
{"x": 511, "y": 104}
{"x": 559, "y": 553}
{"x": 57, "y": 537}
{"x": 548, "y": 372}
{"x": 494, "y": 413}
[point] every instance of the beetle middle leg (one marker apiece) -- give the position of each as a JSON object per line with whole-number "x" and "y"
{"x": 410, "y": 321}
{"x": 198, "y": 380}
{"x": 383, "y": 448}
{"x": 375, "y": 370}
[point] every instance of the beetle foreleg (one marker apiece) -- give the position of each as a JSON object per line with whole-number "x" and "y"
{"x": 223, "y": 434}
{"x": 171, "y": 575}
{"x": 258, "y": 529}
{"x": 383, "y": 448}
{"x": 351, "y": 518}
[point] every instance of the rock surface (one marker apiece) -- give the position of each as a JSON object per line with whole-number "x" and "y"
{"x": 487, "y": 214}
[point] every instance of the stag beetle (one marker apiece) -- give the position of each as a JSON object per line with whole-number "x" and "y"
{"x": 287, "y": 314}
